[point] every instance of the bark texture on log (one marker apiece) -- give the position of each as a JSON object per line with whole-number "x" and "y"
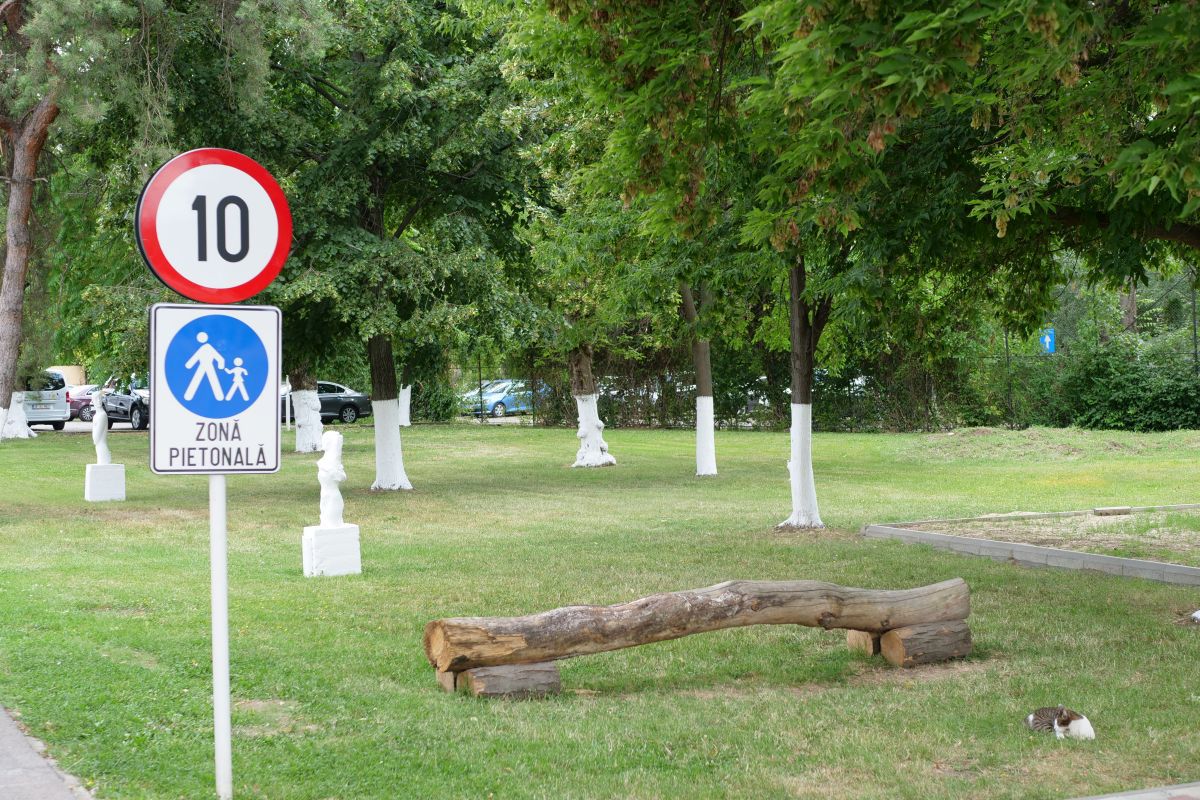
{"x": 863, "y": 642}
{"x": 469, "y": 642}
{"x": 926, "y": 643}
{"x": 517, "y": 680}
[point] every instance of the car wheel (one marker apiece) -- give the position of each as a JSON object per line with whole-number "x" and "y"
{"x": 86, "y": 413}
{"x": 499, "y": 410}
{"x": 58, "y": 426}
{"x": 137, "y": 419}
{"x": 348, "y": 414}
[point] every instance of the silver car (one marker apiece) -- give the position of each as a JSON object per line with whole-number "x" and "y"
{"x": 46, "y": 400}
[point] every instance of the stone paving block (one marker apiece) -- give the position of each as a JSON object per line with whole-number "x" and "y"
{"x": 1059, "y": 558}
{"x": 1147, "y": 571}
{"x": 1107, "y": 564}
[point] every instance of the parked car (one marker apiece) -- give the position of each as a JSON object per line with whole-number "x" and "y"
{"x": 337, "y": 402}
{"x": 81, "y": 397}
{"x": 500, "y": 397}
{"x": 129, "y": 402}
{"x": 47, "y": 401}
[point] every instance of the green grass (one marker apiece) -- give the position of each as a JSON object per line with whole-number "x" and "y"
{"x": 104, "y": 622}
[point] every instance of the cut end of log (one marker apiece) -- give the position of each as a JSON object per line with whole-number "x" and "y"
{"x": 926, "y": 643}
{"x": 434, "y": 641}
{"x": 863, "y": 642}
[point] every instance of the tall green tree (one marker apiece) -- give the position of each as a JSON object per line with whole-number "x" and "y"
{"x": 409, "y": 180}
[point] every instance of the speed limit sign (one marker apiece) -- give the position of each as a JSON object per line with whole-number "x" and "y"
{"x": 214, "y": 225}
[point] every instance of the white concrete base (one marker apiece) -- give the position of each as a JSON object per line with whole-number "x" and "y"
{"x": 331, "y": 551}
{"x": 103, "y": 482}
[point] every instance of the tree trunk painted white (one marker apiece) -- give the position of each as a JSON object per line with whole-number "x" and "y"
{"x": 16, "y": 424}
{"x": 593, "y": 450}
{"x": 389, "y": 458}
{"x": 405, "y": 406}
{"x": 706, "y": 445}
{"x": 307, "y": 407}
{"x": 804, "y": 489}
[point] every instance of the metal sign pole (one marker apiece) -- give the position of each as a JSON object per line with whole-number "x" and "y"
{"x": 222, "y": 729}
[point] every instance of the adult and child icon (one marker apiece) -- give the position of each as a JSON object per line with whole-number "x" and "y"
{"x": 205, "y": 361}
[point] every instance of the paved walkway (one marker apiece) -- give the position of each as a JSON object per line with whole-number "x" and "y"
{"x": 1183, "y": 791}
{"x": 25, "y": 774}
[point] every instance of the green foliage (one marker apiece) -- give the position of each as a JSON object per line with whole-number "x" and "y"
{"x": 433, "y": 400}
{"x": 1136, "y": 385}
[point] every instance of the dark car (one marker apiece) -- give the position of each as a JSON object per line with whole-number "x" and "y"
{"x": 130, "y": 403}
{"x": 337, "y": 402}
{"x": 81, "y": 401}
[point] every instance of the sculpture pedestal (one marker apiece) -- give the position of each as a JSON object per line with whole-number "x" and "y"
{"x": 331, "y": 551}
{"x": 102, "y": 482}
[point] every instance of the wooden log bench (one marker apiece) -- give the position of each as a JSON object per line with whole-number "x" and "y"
{"x": 514, "y": 656}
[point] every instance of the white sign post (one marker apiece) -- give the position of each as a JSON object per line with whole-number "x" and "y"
{"x": 214, "y": 226}
{"x": 216, "y": 412}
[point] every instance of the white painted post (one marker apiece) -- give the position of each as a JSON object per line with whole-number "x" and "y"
{"x": 222, "y": 729}
{"x": 287, "y": 404}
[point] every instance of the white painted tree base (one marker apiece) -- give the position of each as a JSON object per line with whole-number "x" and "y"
{"x": 389, "y": 457}
{"x": 15, "y": 425}
{"x": 104, "y": 482}
{"x": 405, "y": 406}
{"x": 804, "y": 489}
{"x": 593, "y": 450}
{"x": 706, "y": 444}
{"x": 331, "y": 551}
{"x": 307, "y": 408}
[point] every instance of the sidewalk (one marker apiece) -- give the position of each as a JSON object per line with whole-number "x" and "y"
{"x": 25, "y": 774}
{"x": 1183, "y": 791}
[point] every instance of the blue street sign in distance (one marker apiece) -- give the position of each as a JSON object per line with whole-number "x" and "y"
{"x": 1047, "y": 339}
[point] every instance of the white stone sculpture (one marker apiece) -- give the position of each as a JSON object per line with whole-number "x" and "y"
{"x": 330, "y": 473}
{"x": 104, "y": 480}
{"x": 100, "y": 434}
{"x": 331, "y": 548}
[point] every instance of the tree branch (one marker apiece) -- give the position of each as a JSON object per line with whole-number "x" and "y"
{"x": 687, "y": 304}
{"x": 1180, "y": 232}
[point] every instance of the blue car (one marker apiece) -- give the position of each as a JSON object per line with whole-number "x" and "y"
{"x": 500, "y": 397}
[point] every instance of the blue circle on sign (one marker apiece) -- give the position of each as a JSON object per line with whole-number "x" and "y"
{"x": 216, "y": 366}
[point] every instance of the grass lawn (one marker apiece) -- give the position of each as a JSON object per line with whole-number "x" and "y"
{"x": 104, "y": 622}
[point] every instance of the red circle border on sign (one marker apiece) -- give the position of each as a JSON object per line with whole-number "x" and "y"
{"x": 147, "y": 231}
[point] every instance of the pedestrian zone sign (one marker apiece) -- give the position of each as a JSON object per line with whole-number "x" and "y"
{"x": 214, "y": 389}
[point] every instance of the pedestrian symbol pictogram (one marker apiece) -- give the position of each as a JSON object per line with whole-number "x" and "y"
{"x": 216, "y": 366}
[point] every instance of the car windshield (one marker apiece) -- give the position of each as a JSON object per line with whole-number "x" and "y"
{"x": 47, "y": 382}
{"x": 498, "y": 387}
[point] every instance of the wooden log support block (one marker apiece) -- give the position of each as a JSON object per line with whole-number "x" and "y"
{"x": 447, "y": 680}
{"x": 926, "y": 643}
{"x": 515, "y": 680}
{"x": 863, "y": 642}
{"x": 468, "y": 642}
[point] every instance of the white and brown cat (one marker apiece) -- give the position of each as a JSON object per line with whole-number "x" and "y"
{"x": 1063, "y": 721}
